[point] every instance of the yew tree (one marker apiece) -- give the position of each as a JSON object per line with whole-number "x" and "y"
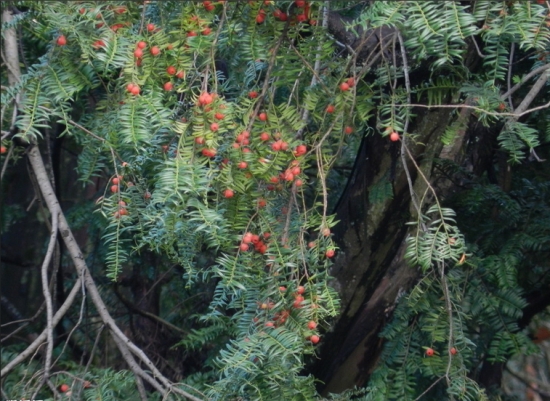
{"x": 287, "y": 200}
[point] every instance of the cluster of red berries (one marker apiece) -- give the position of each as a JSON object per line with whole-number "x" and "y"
{"x": 259, "y": 243}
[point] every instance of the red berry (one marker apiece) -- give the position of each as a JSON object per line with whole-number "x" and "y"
{"x": 206, "y": 31}
{"x": 282, "y": 288}
{"x": 64, "y": 388}
{"x": 269, "y": 324}
{"x": 300, "y": 3}
{"x": 314, "y": 339}
{"x": 191, "y": 33}
{"x": 264, "y": 136}
{"x": 243, "y": 165}
{"x": 311, "y": 325}
{"x": 135, "y": 90}
{"x": 262, "y": 117}
{"x": 300, "y": 150}
{"x": 350, "y": 81}
{"x": 228, "y": 193}
{"x": 150, "y": 27}
{"x": 260, "y": 18}
{"x": 141, "y": 44}
{"x": 326, "y": 231}
{"x": 62, "y": 40}
{"x": 298, "y": 183}
{"x": 82, "y": 11}
{"x": 344, "y": 86}
{"x": 180, "y": 74}
{"x": 98, "y": 43}
{"x": 214, "y": 127}
{"x": 429, "y": 352}
{"x": 301, "y": 18}
{"x": 252, "y": 94}
{"x": 115, "y": 180}
{"x": 394, "y": 136}
{"x": 171, "y": 70}
{"x": 138, "y": 53}
{"x": 330, "y": 253}
{"x": 300, "y": 290}
{"x": 155, "y": 51}
{"x": 243, "y": 247}
{"x": 453, "y": 351}
{"x": 3, "y": 149}
{"x": 114, "y": 188}
{"x": 348, "y": 130}
{"x": 168, "y": 86}
{"x": 330, "y": 108}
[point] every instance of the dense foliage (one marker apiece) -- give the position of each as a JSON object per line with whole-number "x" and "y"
{"x": 214, "y": 130}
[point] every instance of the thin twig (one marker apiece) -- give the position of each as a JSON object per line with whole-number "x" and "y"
{"x": 509, "y": 78}
{"x": 525, "y": 79}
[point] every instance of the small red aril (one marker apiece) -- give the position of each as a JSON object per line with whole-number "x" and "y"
{"x": 155, "y": 50}
{"x": 228, "y": 193}
{"x": 429, "y": 352}
{"x": 138, "y": 53}
{"x": 264, "y": 136}
{"x": 344, "y": 86}
{"x": 394, "y": 136}
{"x": 242, "y": 165}
{"x": 330, "y": 108}
{"x": 64, "y": 388}
{"x": 243, "y": 247}
{"x": 330, "y": 253}
{"x": 3, "y": 149}
{"x": 214, "y": 127}
{"x": 141, "y": 44}
{"x": 171, "y": 70}
{"x": 300, "y": 290}
{"x": 168, "y": 86}
{"x": 314, "y": 339}
{"x": 61, "y": 41}
{"x": 252, "y": 94}
{"x": 150, "y": 27}
{"x": 348, "y": 130}
{"x": 262, "y": 116}
{"x": 115, "y": 180}
{"x": 300, "y": 3}
{"x": 114, "y": 188}
{"x": 311, "y": 325}
{"x": 453, "y": 351}
{"x": 206, "y": 31}
{"x": 180, "y": 74}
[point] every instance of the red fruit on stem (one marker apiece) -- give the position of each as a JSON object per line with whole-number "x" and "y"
{"x": 114, "y": 188}
{"x": 429, "y": 352}
{"x": 141, "y": 45}
{"x": 3, "y": 149}
{"x": 62, "y": 40}
{"x": 138, "y": 53}
{"x": 330, "y": 253}
{"x": 301, "y": 289}
{"x": 252, "y": 94}
{"x": 394, "y": 136}
{"x": 243, "y": 165}
{"x": 180, "y": 74}
{"x": 301, "y": 18}
{"x": 348, "y": 130}
{"x": 300, "y": 3}
{"x": 264, "y": 136}
{"x": 350, "y": 81}
{"x": 171, "y": 70}
{"x": 64, "y": 388}
{"x": 314, "y": 339}
{"x": 206, "y": 31}
{"x": 228, "y": 193}
{"x": 150, "y": 27}
{"x": 219, "y": 116}
{"x": 243, "y": 247}
{"x": 344, "y": 86}
{"x": 262, "y": 116}
{"x": 453, "y": 351}
{"x": 330, "y": 108}
{"x": 311, "y": 325}
{"x": 214, "y": 127}
{"x": 168, "y": 86}
{"x": 155, "y": 51}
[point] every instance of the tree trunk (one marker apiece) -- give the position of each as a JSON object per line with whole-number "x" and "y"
{"x": 370, "y": 272}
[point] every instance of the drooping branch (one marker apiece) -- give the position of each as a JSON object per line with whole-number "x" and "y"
{"x": 78, "y": 260}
